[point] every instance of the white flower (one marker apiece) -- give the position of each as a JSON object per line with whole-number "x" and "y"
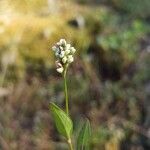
{"x": 61, "y": 48}
{"x": 59, "y": 66}
{"x": 72, "y": 50}
{"x": 64, "y": 53}
{"x": 67, "y": 51}
{"x": 67, "y": 46}
{"x": 60, "y": 70}
{"x": 70, "y": 59}
{"x": 64, "y": 60}
{"x": 62, "y": 42}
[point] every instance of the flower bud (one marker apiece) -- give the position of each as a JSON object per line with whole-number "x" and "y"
{"x": 54, "y": 48}
{"x": 62, "y": 42}
{"x": 67, "y": 51}
{"x": 58, "y": 43}
{"x": 70, "y": 59}
{"x": 67, "y": 46}
{"x": 59, "y": 66}
{"x": 61, "y": 48}
{"x": 62, "y": 53}
{"x": 64, "y": 60}
{"x": 60, "y": 70}
{"x": 72, "y": 50}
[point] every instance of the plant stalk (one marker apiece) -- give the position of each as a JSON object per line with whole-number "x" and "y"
{"x": 66, "y": 91}
{"x": 70, "y": 144}
{"x": 67, "y": 101}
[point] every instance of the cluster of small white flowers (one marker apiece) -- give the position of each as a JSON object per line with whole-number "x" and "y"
{"x": 64, "y": 53}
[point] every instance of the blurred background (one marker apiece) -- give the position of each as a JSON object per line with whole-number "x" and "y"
{"x": 109, "y": 82}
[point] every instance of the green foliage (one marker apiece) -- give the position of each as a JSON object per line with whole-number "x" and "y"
{"x": 134, "y": 7}
{"x": 112, "y": 39}
{"x": 100, "y": 136}
{"x": 125, "y": 39}
{"x": 83, "y": 140}
{"x": 63, "y": 122}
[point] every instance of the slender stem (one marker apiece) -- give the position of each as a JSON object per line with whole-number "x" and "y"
{"x": 70, "y": 144}
{"x": 67, "y": 102}
{"x": 66, "y": 92}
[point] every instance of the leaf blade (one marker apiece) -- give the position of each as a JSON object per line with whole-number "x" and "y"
{"x": 84, "y": 136}
{"x": 62, "y": 121}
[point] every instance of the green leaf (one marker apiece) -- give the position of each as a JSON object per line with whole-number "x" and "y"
{"x": 63, "y": 122}
{"x": 84, "y": 136}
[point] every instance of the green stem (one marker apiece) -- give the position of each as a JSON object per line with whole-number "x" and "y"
{"x": 66, "y": 92}
{"x": 70, "y": 144}
{"x": 67, "y": 102}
